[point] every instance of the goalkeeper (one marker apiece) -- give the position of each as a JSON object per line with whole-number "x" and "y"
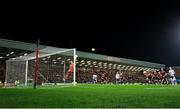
{"x": 70, "y": 71}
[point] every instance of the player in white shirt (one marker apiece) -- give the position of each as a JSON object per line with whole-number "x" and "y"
{"x": 94, "y": 77}
{"x": 171, "y": 73}
{"x": 117, "y": 78}
{"x": 174, "y": 81}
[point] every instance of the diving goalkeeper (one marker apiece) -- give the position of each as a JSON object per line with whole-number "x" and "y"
{"x": 70, "y": 71}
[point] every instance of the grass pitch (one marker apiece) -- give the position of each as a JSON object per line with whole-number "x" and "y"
{"x": 91, "y": 95}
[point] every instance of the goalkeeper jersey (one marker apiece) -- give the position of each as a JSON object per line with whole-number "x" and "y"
{"x": 71, "y": 67}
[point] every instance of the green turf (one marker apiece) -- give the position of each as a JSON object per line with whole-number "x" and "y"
{"x": 113, "y": 96}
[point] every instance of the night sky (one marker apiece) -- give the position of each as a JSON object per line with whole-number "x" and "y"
{"x": 148, "y": 31}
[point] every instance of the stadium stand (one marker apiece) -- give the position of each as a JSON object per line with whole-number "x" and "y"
{"x": 131, "y": 71}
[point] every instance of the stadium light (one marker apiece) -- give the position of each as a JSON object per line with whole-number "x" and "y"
{"x": 136, "y": 68}
{"x": 68, "y": 59}
{"x": 93, "y": 49}
{"x": 25, "y": 54}
{"x": 1, "y": 57}
{"x": 13, "y": 58}
{"x": 126, "y": 68}
{"x": 119, "y": 65}
{"x": 130, "y": 67}
{"x": 114, "y": 65}
{"x": 58, "y": 58}
{"x": 146, "y": 69}
{"x": 12, "y": 52}
{"x": 7, "y": 54}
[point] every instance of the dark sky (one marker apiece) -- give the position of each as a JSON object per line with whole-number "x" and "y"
{"x": 148, "y": 31}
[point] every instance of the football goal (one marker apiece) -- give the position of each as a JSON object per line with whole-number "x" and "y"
{"x": 53, "y": 66}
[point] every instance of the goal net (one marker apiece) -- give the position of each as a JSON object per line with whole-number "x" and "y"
{"x": 53, "y": 65}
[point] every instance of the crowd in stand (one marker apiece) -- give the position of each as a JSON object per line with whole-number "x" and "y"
{"x": 162, "y": 76}
{"x": 105, "y": 76}
{"x": 97, "y": 75}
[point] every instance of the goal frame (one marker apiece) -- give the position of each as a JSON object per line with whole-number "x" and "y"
{"x": 45, "y": 55}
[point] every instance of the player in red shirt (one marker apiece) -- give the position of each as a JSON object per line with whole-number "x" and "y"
{"x": 70, "y": 71}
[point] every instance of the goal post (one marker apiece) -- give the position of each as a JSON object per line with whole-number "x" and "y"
{"x": 74, "y": 72}
{"x": 53, "y": 64}
{"x": 26, "y": 73}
